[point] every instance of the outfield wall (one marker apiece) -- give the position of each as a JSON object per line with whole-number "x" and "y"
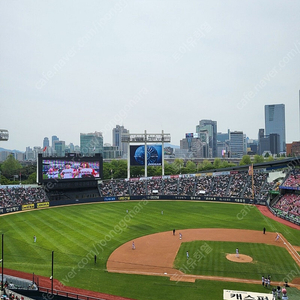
{"x": 6, "y": 210}
{"x": 13, "y": 209}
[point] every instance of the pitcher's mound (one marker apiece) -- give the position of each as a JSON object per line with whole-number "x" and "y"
{"x": 242, "y": 258}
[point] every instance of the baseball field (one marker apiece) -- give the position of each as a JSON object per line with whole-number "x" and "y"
{"x": 158, "y": 268}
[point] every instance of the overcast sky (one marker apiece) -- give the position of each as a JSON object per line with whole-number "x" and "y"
{"x": 68, "y": 67}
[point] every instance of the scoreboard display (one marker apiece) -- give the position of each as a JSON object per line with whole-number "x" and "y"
{"x": 70, "y": 168}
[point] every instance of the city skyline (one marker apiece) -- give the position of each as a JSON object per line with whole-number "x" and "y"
{"x": 147, "y": 66}
{"x": 67, "y": 142}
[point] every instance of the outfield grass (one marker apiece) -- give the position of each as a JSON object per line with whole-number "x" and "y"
{"x": 75, "y": 232}
{"x": 267, "y": 260}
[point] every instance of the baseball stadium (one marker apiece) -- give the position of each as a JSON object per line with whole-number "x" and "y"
{"x": 226, "y": 234}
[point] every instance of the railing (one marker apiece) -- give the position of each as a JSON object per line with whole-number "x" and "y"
{"x": 68, "y": 294}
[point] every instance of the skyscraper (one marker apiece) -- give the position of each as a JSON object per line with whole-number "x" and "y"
{"x": 237, "y": 141}
{"x": 117, "y": 141}
{"x": 46, "y": 142}
{"x": 60, "y": 148}
{"x": 91, "y": 143}
{"x": 211, "y": 127}
{"x": 275, "y": 122}
{"x": 54, "y": 138}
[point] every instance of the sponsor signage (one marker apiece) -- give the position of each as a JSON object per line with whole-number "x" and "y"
{"x": 241, "y": 295}
{"x": 12, "y": 209}
{"x": 109, "y": 198}
{"x": 124, "y": 198}
{"x": 27, "y": 206}
{"x": 42, "y": 204}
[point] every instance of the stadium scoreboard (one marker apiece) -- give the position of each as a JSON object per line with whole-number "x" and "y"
{"x": 71, "y": 168}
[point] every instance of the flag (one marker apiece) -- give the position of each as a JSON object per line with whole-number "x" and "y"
{"x": 250, "y": 171}
{"x": 44, "y": 148}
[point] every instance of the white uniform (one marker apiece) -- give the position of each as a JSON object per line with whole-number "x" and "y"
{"x": 67, "y": 173}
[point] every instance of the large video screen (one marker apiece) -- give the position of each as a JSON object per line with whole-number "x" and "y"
{"x": 69, "y": 168}
{"x": 154, "y": 155}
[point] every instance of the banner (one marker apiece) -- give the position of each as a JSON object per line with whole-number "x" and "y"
{"x": 241, "y": 295}
{"x": 27, "y": 206}
{"x": 42, "y": 204}
{"x": 250, "y": 171}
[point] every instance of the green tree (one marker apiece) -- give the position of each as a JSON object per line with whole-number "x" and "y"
{"x": 258, "y": 159}
{"x": 31, "y": 178}
{"x": 217, "y": 163}
{"x": 10, "y": 167}
{"x": 118, "y": 168}
{"x": 190, "y": 167}
{"x": 177, "y": 166}
{"x": 4, "y": 180}
{"x": 246, "y": 160}
{"x": 206, "y": 165}
{"x": 168, "y": 168}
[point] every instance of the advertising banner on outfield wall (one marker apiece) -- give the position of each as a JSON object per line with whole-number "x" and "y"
{"x": 6, "y": 210}
{"x": 27, "y": 206}
{"x": 42, "y": 204}
{"x": 241, "y": 295}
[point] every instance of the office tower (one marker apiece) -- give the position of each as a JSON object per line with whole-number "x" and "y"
{"x": 59, "y": 148}
{"x": 91, "y": 143}
{"x": 54, "y": 138}
{"x": 223, "y": 144}
{"x": 117, "y": 138}
{"x": 236, "y": 144}
{"x": 194, "y": 145}
{"x": 274, "y": 143}
{"x": 46, "y": 142}
{"x": 275, "y": 122}
{"x": 210, "y": 127}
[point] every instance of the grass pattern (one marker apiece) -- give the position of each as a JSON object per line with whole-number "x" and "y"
{"x": 75, "y": 232}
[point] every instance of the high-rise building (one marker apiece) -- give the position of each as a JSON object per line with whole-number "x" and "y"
{"x": 237, "y": 139}
{"x": 117, "y": 133}
{"x": 275, "y": 122}
{"x": 194, "y": 145}
{"x": 54, "y": 138}
{"x": 211, "y": 127}
{"x": 60, "y": 148}
{"x": 91, "y": 143}
{"x": 46, "y": 142}
{"x": 269, "y": 143}
{"x": 223, "y": 144}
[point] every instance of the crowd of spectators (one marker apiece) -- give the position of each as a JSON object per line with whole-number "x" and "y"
{"x": 293, "y": 180}
{"x": 238, "y": 184}
{"x": 14, "y": 196}
{"x": 289, "y": 203}
{"x": 229, "y": 184}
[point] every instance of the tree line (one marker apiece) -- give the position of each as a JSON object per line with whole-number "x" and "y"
{"x": 13, "y": 172}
